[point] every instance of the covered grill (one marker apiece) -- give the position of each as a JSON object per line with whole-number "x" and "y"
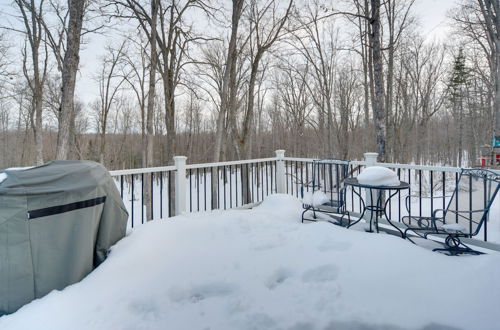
{"x": 57, "y": 223}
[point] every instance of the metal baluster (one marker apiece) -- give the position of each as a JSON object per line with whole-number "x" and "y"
{"x": 230, "y": 186}
{"x": 161, "y": 195}
{"x": 132, "y": 204}
{"x": 470, "y": 205}
{"x": 247, "y": 188}
{"x": 485, "y": 198}
{"x": 218, "y": 187}
{"x": 307, "y": 177}
{"x": 262, "y": 179}
{"x": 352, "y": 191}
{"x": 399, "y": 197}
{"x": 205, "y": 187}
{"x": 337, "y": 179}
{"x": 330, "y": 174}
{"x": 420, "y": 192}
{"x": 324, "y": 178}
{"x": 142, "y": 198}
{"x": 267, "y": 179}
{"x": 409, "y": 198}
{"x": 286, "y": 176}
{"x": 432, "y": 191}
{"x": 456, "y": 197}
{"x": 121, "y": 186}
{"x": 190, "y": 190}
{"x": 360, "y": 208}
{"x": 198, "y": 190}
{"x": 236, "y": 183}
{"x": 224, "y": 182}
{"x": 444, "y": 190}
{"x": 169, "y": 194}
{"x": 152, "y": 197}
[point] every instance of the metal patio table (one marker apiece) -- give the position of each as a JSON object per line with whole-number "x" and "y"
{"x": 379, "y": 206}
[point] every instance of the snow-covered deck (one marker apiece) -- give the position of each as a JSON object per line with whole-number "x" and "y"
{"x": 263, "y": 269}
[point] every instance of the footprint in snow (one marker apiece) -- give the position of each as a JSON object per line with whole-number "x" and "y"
{"x": 146, "y": 309}
{"x": 324, "y": 273}
{"x": 278, "y": 277}
{"x": 201, "y": 292}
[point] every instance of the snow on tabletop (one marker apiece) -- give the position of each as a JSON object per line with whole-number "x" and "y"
{"x": 263, "y": 269}
{"x": 378, "y": 175}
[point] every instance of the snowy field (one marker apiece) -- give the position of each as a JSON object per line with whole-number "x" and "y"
{"x": 263, "y": 269}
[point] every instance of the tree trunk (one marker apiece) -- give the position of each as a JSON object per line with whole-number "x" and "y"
{"x": 378, "y": 79}
{"x": 70, "y": 67}
{"x": 149, "y": 136}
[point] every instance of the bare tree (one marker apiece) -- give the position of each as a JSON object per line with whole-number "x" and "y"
{"x": 320, "y": 51}
{"x": 295, "y": 101}
{"x": 110, "y": 82}
{"x": 262, "y": 36}
{"x": 35, "y": 72}
{"x": 229, "y": 85}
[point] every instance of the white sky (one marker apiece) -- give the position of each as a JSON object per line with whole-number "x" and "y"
{"x": 433, "y": 16}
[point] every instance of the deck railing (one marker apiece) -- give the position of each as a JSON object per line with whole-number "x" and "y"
{"x": 160, "y": 192}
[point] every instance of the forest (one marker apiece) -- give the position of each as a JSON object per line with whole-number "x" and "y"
{"x": 227, "y": 80}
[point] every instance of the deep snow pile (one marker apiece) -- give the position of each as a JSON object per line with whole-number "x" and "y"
{"x": 263, "y": 269}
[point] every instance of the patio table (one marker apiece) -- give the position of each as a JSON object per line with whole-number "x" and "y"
{"x": 379, "y": 206}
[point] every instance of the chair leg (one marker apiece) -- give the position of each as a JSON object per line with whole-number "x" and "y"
{"x": 305, "y": 211}
{"x": 454, "y": 246}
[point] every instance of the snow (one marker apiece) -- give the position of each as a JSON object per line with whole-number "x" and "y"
{"x": 315, "y": 199}
{"x": 263, "y": 269}
{"x": 378, "y": 175}
{"x": 3, "y": 176}
{"x": 453, "y": 227}
{"x": 19, "y": 168}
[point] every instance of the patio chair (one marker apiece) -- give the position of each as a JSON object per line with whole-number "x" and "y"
{"x": 327, "y": 179}
{"x": 465, "y": 215}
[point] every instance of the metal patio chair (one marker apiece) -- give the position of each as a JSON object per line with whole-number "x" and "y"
{"x": 327, "y": 176}
{"x": 465, "y": 215}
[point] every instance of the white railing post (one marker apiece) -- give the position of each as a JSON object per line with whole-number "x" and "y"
{"x": 371, "y": 159}
{"x": 180, "y": 184}
{"x": 280, "y": 172}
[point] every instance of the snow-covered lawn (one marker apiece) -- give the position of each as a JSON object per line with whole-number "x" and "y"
{"x": 263, "y": 269}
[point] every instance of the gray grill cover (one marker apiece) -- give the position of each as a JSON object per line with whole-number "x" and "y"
{"x": 57, "y": 223}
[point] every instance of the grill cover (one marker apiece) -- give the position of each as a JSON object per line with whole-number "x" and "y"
{"x": 57, "y": 223}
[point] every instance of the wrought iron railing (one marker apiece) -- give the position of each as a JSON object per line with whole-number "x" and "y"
{"x": 162, "y": 192}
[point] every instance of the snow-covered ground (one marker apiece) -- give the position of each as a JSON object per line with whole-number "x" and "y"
{"x": 263, "y": 269}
